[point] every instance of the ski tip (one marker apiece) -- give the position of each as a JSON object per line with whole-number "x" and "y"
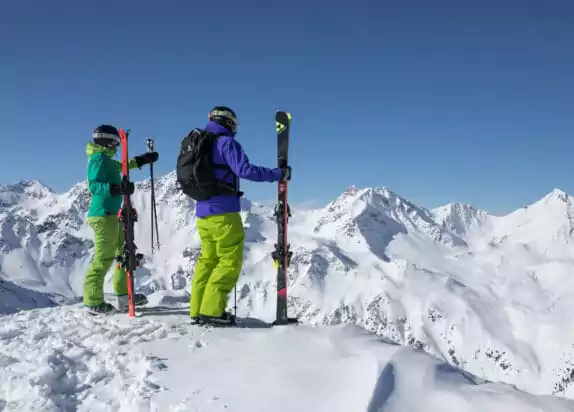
{"x": 279, "y": 112}
{"x": 124, "y": 133}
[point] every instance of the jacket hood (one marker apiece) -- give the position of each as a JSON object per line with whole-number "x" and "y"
{"x": 214, "y": 127}
{"x": 92, "y": 148}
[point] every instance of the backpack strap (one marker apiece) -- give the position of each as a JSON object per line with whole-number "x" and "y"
{"x": 235, "y": 184}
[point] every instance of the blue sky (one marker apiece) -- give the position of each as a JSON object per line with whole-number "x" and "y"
{"x": 440, "y": 101}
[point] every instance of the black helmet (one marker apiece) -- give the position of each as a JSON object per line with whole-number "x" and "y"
{"x": 225, "y": 117}
{"x": 106, "y": 135}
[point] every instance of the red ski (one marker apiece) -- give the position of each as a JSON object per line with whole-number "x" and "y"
{"x": 128, "y": 216}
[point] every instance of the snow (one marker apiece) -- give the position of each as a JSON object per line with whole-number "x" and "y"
{"x": 491, "y": 295}
{"x": 64, "y": 360}
{"x": 14, "y": 298}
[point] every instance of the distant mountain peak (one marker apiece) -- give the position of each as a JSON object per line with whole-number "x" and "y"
{"x": 457, "y": 208}
{"x": 556, "y": 201}
{"x": 375, "y": 216}
{"x": 26, "y": 186}
{"x": 369, "y": 195}
{"x": 459, "y": 218}
{"x": 461, "y": 206}
{"x": 557, "y": 194}
{"x": 23, "y": 192}
{"x": 352, "y": 190}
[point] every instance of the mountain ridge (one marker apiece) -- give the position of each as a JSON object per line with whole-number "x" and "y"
{"x": 555, "y": 193}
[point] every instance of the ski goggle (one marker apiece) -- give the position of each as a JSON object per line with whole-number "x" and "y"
{"x": 227, "y": 116}
{"x": 108, "y": 136}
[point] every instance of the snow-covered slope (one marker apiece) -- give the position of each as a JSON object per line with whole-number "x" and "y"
{"x": 63, "y": 360}
{"x": 492, "y": 295}
{"x": 14, "y": 298}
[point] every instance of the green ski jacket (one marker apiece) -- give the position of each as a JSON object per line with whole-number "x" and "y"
{"x": 103, "y": 169}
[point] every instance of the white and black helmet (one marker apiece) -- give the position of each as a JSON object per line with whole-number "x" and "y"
{"x": 225, "y": 117}
{"x": 106, "y": 135}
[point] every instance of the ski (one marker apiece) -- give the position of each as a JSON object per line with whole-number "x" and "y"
{"x": 241, "y": 323}
{"x": 127, "y": 215}
{"x": 282, "y": 253}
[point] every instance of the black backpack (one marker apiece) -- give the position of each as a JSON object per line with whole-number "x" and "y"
{"x": 195, "y": 169}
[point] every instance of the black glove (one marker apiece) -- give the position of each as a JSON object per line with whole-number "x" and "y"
{"x": 286, "y": 173}
{"x": 125, "y": 188}
{"x": 144, "y": 159}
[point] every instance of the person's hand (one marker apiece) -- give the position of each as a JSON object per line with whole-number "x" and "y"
{"x": 286, "y": 173}
{"x": 125, "y": 188}
{"x": 146, "y": 158}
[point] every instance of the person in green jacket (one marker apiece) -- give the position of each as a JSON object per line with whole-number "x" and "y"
{"x": 106, "y": 189}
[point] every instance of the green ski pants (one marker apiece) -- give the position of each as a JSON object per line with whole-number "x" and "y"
{"x": 219, "y": 264}
{"x": 109, "y": 242}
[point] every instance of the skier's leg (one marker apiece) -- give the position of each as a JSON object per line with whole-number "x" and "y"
{"x": 204, "y": 266}
{"x": 229, "y": 236}
{"x": 104, "y": 253}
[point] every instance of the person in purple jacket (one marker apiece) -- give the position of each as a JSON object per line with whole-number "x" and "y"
{"x": 219, "y": 223}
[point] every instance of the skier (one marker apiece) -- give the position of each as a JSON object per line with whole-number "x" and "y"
{"x": 219, "y": 223}
{"x": 106, "y": 189}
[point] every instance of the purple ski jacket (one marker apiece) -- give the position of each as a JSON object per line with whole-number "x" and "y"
{"x": 228, "y": 151}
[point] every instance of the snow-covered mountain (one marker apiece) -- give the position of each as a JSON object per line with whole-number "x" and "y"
{"x": 490, "y": 294}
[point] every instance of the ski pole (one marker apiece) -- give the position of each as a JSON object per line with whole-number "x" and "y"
{"x": 153, "y": 210}
{"x": 235, "y": 301}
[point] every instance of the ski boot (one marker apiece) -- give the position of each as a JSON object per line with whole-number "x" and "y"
{"x": 103, "y": 308}
{"x": 227, "y": 319}
{"x": 139, "y": 300}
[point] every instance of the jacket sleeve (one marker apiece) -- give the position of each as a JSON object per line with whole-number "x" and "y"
{"x": 239, "y": 163}
{"x": 131, "y": 165}
{"x": 96, "y": 177}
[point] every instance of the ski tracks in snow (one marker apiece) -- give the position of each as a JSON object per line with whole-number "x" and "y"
{"x": 65, "y": 360}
